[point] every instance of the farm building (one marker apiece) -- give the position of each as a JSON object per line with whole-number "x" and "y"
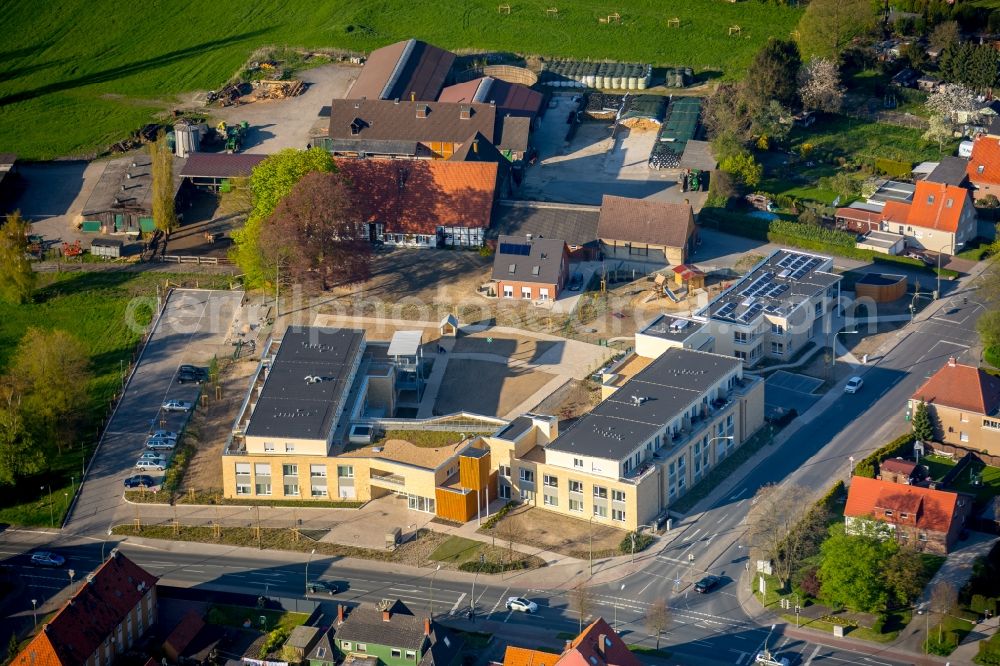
{"x": 640, "y": 231}
{"x": 214, "y": 171}
{"x": 434, "y": 130}
{"x": 423, "y": 203}
{"x": 530, "y": 268}
{"x": 8, "y": 168}
{"x": 122, "y": 200}
{"x": 479, "y": 149}
{"x": 509, "y": 98}
{"x": 106, "y": 247}
{"x": 408, "y": 70}
{"x": 576, "y": 224}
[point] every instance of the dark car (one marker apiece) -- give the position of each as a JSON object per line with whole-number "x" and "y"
{"x": 705, "y": 584}
{"x": 323, "y": 587}
{"x": 189, "y": 378}
{"x": 139, "y": 481}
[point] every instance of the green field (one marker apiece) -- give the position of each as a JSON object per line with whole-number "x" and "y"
{"x": 77, "y": 75}
{"x": 863, "y": 141}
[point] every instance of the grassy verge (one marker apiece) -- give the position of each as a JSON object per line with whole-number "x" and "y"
{"x": 976, "y": 250}
{"x": 649, "y": 652}
{"x": 424, "y": 439}
{"x": 238, "y": 616}
{"x": 943, "y": 638}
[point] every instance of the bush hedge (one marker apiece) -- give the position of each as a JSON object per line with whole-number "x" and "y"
{"x": 493, "y": 567}
{"x": 893, "y": 168}
{"x": 989, "y": 651}
{"x": 642, "y": 542}
{"x": 868, "y": 466}
{"x": 498, "y": 516}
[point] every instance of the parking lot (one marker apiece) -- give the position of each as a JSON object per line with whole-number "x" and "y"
{"x": 195, "y": 325}
{"x": 785, "y": 391}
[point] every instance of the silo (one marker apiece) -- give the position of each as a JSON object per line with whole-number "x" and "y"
{"x": 185, "y": 140}
{"x": 574, "y": 75}
{"x": 642, "y": 81}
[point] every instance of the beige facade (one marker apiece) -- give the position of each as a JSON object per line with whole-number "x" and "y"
{"x": 965, "y": 429}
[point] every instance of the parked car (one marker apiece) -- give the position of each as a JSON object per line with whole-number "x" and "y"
{"x": 189, "y": 378}
{"x": 323, "y": 587}
{"x": 853, "y": 385}
{"x": 164, "y": 434}
{"x": 44, "y": 558}
{"x": 155, "y": 443}
{"x": 152, "y": 455}
{"x": 767, "y": 659}
{"x": 139, "y": 481}
{"x": 193, "y": 370}
{"x": 177, "y": 406}
{"x": 522, "y": 605}
{"x": 706, "y": 584}
{"x": 156, "y": 465}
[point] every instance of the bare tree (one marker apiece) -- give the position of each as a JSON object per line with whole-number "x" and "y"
{"x": 581, "y": 602}
{"x": 509, "y": 530}
{"x": 781, "y": 524}
{"x": 944, "y": 597}
{"x": 658, "y": 619}
{"x": 819, "y": 86}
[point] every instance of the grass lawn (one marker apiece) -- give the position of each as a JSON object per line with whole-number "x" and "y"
{"x": 100, "y": 68}
{"x": 425, "y": 439}
{"x": 975, "y": 250}
{"x": 457, "y": 550}
{"x": 951, "y": 631}
{"x": 938, "y": 466}
{"x": 235, "y": 616}
{"x": 649, "y": 652}
{"x": 860, "y": 140}
{"x": 95, "y": 307}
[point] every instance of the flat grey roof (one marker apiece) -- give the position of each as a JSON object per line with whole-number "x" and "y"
{"x": 306, "y": 379}
{"x": 575, "y": 224}
{"x": 892, "y": 190}
{"x": 950, "y": 170}
{"x": 373, "y": 146}
{"x": 776, "y": 286}
{"x": 405, "y": 343}
{"x": 672, "y": 327}
{"x": 645, "y": 403}
{"x": 515, "y": 428}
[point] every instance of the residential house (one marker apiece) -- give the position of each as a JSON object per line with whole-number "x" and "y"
{"x": 428, "y": 130}
{"x": 598, "y": 644}
{"x": 410, "y": 69}
{"x": 898, "y": 470}
{"x": 964, "y": 405}
{"x": 950, "y": 170}
{"x": 655, "y": 435}
{"x": 642, "y": 232}
{"x": 984, "y": 166}
{"x": 925, "y": 519}
{"x": 529, "y": 268}
{"x": 422, "y": 203}
{"x": 479, "y": 149}
{"x": 511, "y": 99}
{"x": 394, "y": 636}
{"x": 110, "y": 610}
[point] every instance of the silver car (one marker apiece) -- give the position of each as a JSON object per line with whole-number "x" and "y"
{"x": 164, "y": 434}
{"x": 177, "y": 406}
{"x": 155, "y": 443}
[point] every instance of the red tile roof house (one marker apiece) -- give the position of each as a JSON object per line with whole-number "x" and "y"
{"x": 924, "y": 519}
{"x": 941, "y": 218}
{"x": 964, "y": 405}
{"x": 597, "y": 645}
{"x": 642, "y": 232}
{"x": 423, "y": 203}
{"x": 529, "y": 268}
{"x": 984, "y": 166}
{"x": 897, "y": 470}
{"x": 107, "y": 614}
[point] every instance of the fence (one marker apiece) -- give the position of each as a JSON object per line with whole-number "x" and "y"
{"x": 187, "y": 259}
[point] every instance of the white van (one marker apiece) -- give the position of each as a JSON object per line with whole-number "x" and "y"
{"x": 144, "y": 464}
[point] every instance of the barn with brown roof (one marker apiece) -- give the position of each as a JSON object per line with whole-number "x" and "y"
{"x": 110, "y": 610}
{"x": 924, "y": 519}
{"x": 643, "y": 231}
{"x": 423, "y": 203}
{"x": 509, "y": 98}
{"x": 410, "y": 70}
{"x": 964, "y": 405}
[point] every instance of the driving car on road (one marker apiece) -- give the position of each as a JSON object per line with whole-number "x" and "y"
{"x": 765, "y": 658}
{"x": 44, "y": 558}
{"x": 323, "y": 587}
{"x": 706, "y": 584}
{"x": 158, "y": 443}
{"x": 853, "y": 385}
{"x": 139, "y": 481}
{"x": 177, "y": 406}
{"x": 522, "y": 605}
{"x": 189, "y": 378}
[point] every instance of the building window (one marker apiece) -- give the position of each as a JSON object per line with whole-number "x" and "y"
{"x": 600, "y": 511}
{"x": 346, "y": 645}
{"x": 923, "y": 537}
{"x": 742, "y": 355}
{"x": 550, "y": 500}
{"x": 526, "y": 293}
{"x": 964, "y": 418}
{"x": 576, "y": 486}
{"x": 601, "y": 492}
{"x": 963, "y": 436}
{"x": 396, "y": 653}
{"x": 268, "y": 447}
{"x": 777, "y": 348}
{"x": 778, "y": 329}
{"x": 345, "y": 471}
{"x": 741, "y": 337}
{"x": 317, "y": 474}
{"x": 888, "y": 513}
{"x": 990, "y": 423}
{"x": 289, "y": 470}
{"x": 262, "y": 474}
{"x": 242, "y": 478}
{"x": 505, "y": 471}
{"x": 526, "y": 475}
{"x": 504, "y": 491}
{"x": 618, "y": 514}
{"x": 508, "y": 291}
{"x": 904, "y": 516}
{"x": 317, "y": 471}
{"x": 289, "y": 448}
{"x": 527, "y": 495}
{"x": 543, "y": 294}
{"x": 576, "y": 505}
{"x": 291, "y": 489}
{"x": 362, "y": 647}
{"x": 578, "y": 463}
{"x": 617, "y": 495}
{"x": 410, "y": 654}
{"x": 550, "y": 481}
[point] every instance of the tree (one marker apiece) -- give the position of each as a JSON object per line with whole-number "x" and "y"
{"x": 164, "y": 215}
{"x": 945, "y": 35}
{"x": 939, "y": 130}
{"x": 270, "y": 182}
{"x": 851, "y": 570}
{"x": 828, "y": 26}
{"x": 819, "y": 86}
{"x": 923, "y": 428}
{"x": 902, "y": 575}
{"x": 316, "y": 231}
{"x": 50, "y": 373}
{"x": 972, "y": 65}
{"x": 509, "y": 529}
{"x": 779, "y": 527}
{"x": 772, "y": 74}
{"x": 743, "y": 168}
{"x": 19, "y": 457}
{"x": 17, "y": 279}
{"x": 581, "y": 601}
{"x": 953, "y": 102}
{"x": 944, "y": 598}
{"x": 658, "y": 619}
{"x": 12, "y": 647}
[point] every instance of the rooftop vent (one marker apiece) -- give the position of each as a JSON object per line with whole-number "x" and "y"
{"x": 465, "y": 113}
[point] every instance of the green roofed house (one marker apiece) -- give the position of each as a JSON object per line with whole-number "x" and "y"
{"x": 388, "y": 634}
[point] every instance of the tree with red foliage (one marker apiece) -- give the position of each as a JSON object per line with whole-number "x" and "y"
{"x": 316, "y": 234}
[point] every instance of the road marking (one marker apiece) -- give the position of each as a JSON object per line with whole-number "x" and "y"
{"x": 645, "y": 587}
{"x": 741, "y": 657}
{"x": 501, "y": 598}
{"x": 194, "y": 570}
{"x": 873, "y": 661}
{"x": 457, "y": 602}
{"x": 737, "y": 493}
{"x": 812, "y": 656}
{"x": 738, "y": 637}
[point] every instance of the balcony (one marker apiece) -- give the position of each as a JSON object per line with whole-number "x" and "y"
{"x": 637, "y": 475}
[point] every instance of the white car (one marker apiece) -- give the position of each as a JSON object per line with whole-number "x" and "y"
{"x": 44, "y": 558}
{"x": 853, "y": 385}
{"x": 155, "y": 443}
{"x": 152, "y": 455}
{"x": 157, "y": 465}
{"x": 521, "y": 604}
{"x": 164, "y": 434}
{"x": 177, "y": 406}
{"x": 767, "y": 659}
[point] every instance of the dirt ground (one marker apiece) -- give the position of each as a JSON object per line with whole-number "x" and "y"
{"x": 572, "y": 401}
{"x": 514, "y": 347}
{"x": 560, "y": 534}
{"x": 213, "y": 425}
{"x": 486, "y": 388}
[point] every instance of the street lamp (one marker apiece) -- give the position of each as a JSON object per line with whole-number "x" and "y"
{"x": 616, "y": 607}
{"x": 34, "y": 610}
{"x": 72, "y": 574}
{"x": 851, "y": 460}
{"x": 432, "y": 590}
{"x": 833, "y": 347}
{"x": 591, "y": 524}
{"x": 472, "y": 600}
{"x": 311, "y": 553}
{"x": 767, "y": 653}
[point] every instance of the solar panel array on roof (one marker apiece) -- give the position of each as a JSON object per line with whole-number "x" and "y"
{"x": 519, "y": 249}
{"x": 759, "y": 285}
{"x": 726, "y": 310}
{"x": 751, "y": 312}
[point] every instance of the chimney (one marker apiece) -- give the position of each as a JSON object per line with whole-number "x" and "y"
{"x": 413, "y": 97}
{"x": 601, "y": 643}
{"x": 340, "y": 614}
{"x": 427, "y": 626}
{"x": 386, "y": 615}
{"x": 952, "y": 361}
{"x": 397, "y": 101}
{"x": 465, "y": 113}
{"x": 475, "y": 145}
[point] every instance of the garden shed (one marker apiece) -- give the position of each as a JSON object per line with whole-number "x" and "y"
{"x": 106, "y": 247}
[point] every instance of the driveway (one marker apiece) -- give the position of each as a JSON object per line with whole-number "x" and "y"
{"x": 194, "y": 325}
{"x": 54, "y": 196}
{"x": 785, "y": 391}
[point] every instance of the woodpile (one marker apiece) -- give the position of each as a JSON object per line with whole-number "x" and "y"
{"x": 270, "y": 89}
